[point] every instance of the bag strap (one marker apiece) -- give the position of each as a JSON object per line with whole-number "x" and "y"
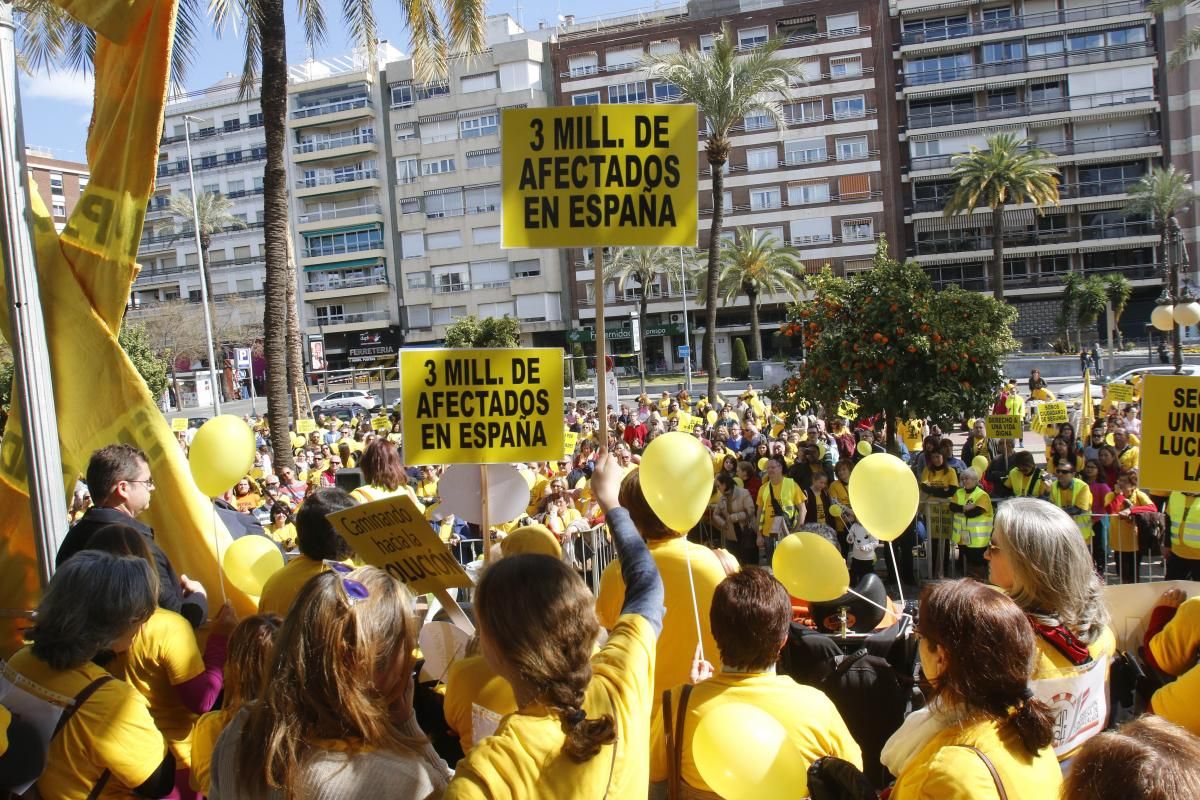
{"x": 80, "y": 699}
{"x": 987, "y": 762}
{"x": 669, "y": 736}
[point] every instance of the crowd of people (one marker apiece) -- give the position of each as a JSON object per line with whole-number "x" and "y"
{"x": 575, "y": 689}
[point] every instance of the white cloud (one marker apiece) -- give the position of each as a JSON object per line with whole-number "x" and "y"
{"x": 67, "y": 87}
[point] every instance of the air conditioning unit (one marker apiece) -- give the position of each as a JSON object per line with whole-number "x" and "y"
{"x": 677, "y": 318}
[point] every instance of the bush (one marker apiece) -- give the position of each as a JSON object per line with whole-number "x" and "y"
{"x": 579, "y": 363}
{"x": 741, "y": 364}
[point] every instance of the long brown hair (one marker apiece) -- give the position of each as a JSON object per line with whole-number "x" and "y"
{"x": 541, "y": 617}
{"x": 976, "y": 625}
{"x": 381, "y": 466}
{"x": 340, "y": 671}
{"x": 1148, "y": 758}
{"x": 251, "y": 648}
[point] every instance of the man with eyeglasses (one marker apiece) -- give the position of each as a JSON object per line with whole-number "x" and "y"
{"x": 118, "y": 477}
{"x": 1074, "y": 497}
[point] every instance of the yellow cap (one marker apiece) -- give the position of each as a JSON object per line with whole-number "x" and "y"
{"x": 536, "y": 539}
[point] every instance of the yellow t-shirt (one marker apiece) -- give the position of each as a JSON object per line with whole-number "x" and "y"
{"x": 205, "y": 733}
{"x": 1129, "y": 458}
{"x": 368, "y": 494}
{"x": 163, "y": 655}
{"x": 113, "y": 730}
{"x": 474, "y": 689}
{"x": 282, "y": 587}
{"x": 677, "y": 642}
{"x": 788, "y": 494}
{"x": 282, "y": 533}
{"x": 524, "y": 758}
{"x": 1174, "y": 649}
{"x": 813, "y": 723}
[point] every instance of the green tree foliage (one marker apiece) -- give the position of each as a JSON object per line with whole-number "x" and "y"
{"x": 886, "y": 340}
{"x": 150, "y": 365}
{"x": 579, "y": 363}
{"x": 740, "y": 367}
{"x": 471, "y": 331}
{"x": 757, "y": 264}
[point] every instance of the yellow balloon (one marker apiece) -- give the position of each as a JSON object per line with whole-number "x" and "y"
{"x": 863, "y": 448}
{"x": 884, "y": 495}
{"x": 221, "y": 454}
{"x": 820, "y": 450}
{"x": 810, "y": 567}
{"x": 676, "y": 479}
{"x": 762, "y": 464}
{"x": 980, "y": 463}
{"x": 766, "y": 764}
{"x": 1108, "y": 440}
{"x": 835, "y": 510}
{"x": 249, "y": 561}
{"x": 711, "y": 416}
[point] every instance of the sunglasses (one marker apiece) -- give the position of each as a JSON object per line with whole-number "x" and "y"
{"x": 1065, "y": 471}
{"x": 355, "y": 591}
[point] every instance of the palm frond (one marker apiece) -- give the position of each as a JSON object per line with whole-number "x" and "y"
{"x": 465, "y": 23}
{"x": 312, "y": 14}
{"x": 1161, "y": 193}
{"x": 429, "y": 52}
{"x": 214, "y": 210}
{"x": 759, "y": 264}
{"x": 1010, "y": 171}
{"x": 359, "y": 16}
{"x": 252, "y": 60}
{"x": 48, "y": 37}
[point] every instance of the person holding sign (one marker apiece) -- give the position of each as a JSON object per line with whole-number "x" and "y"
{"x": 583, "y": 724}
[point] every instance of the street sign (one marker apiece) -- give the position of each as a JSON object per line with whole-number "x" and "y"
{"x": 242, "y": 355}
{"x": 635, "y": 333}
{"x": 684, "y": 351}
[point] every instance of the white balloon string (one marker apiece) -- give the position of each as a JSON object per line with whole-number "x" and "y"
{"x": 217, "y": 550}
{"x": 896, "y": 567}
{"x": 872, "y": 602}
{"x": 687, "y": 550}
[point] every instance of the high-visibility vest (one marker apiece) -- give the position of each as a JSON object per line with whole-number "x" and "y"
{"x": 1025, "y": 487}
{"x": 1185, "y": 520}
{"x": 1062, "y": 500}
{"x": 972, "y": 531}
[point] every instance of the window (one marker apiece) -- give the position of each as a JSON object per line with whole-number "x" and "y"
{"x": 845, "y": 67}
{"x": 627, "y": 92}
{"x": 490, "y": 274}
{"x": 233, "y": 155}
{"x": 498, "y": 310}
{"x": 411, "y": 205}
{"x": 996, "y": 52}
{"x": 623, "y": 57}
{"x": 417, "y": 280}
{"x": 488, "y": 235}
{"x": 480, "y": 83}
{"x": 707, "y": 41}
{"x": 254, "y": 120}
{"x": 442, "y": 130}
{"x": 727, "y": 202}
{"x": 449, "y": 204}
{"x": 491, "y": 158}
{"x": 1051, "y": 90}
{"x": 83, "y": 182}
{"x": 444, "y": 240}
{"x": 258, "y": 152}
{"x": 762, "y": 158}
{"x": 920, "y": 149}
{"x": 857, "y": 230}
{"x": 231, "y": 125}
{"x": 935, "y": 69}
{"x": 405, "y": 131}
{"x": 418, "y": 316}
{"x": 842, "y": 24}
{"x": 664, "y": 47}
{"x": 530, "y": 268}
{"x": 666, "y": 92}
{"x": 483, "y": 199}
{"x": 437, "y": 166}
{"x": 854, "y": 187}
{"x": 257, "y": 182}
{"x": 806, "y": 112}
{"x": 402, "y": 95}
{"x": 59, "y": 209}
{"x": 445, "y": 316}
{"x": 775, "y": 234}
{"x": 752, "y": 37}
{"x": 207, "y": 161}
{"x": 1085, "y": 41}
{"x": 210, "y": 188}
{"x": 450, "y": 278}
{"x": 851, "y": 148}
{"x": 56, "y": 183}
{"x": 804, "y": 151}
{"x": 997, "y": 19}
{"x": 1127, "y": 36}
{"x": 763, "y": 199}
{"x": 797, "y": 27}
{"x": 1044, "y": 47}
{"x": 482, "y": 125}
{"x": 849, "y": 107}
{"x": 328, "y": 244}
{"x": 586, "y": 99}
{"x": 584, "y": 64}
{"x": 236, "y": 188}
{"x": 758, "y": 120}
{"x": 412, "y": 244}
{"x": 430, "y": 90}
{"x": 936, "y": 29}
{"x": 800, "y": 194}
{"x": 406, "y": 170}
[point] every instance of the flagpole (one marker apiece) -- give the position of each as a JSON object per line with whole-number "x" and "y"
{"x": 32, "y": 378}
{"x": 204, "y": 298}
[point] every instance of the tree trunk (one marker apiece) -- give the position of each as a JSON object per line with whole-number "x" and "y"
{"x": 205, "y": 245}
{"x": 642, "y": 336}
{"x": 755, "y": 333}
{"x": 297, "y": 384}
{"x": 716, "y": 163}
{"x": 275, "y": 225}
{"x": 998, "y": 253}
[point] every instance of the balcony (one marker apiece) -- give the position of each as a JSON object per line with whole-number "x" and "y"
{"x": 1034, "y": 64}
{"x": 1066, "y": 191}
{"x": 856, "y": 197}
{"x": 963, "y": 116}
{"x": 341, "y": 249}
{"x": 1024, "y": 22}
{"x": 334, "y": 142}
{"x": 338, "y": 213}
{"x": 207, "y": 133}
{"x": 352, "y": 318}
{"x": 1123, "y": 141}
{"x": 972, "y": 279}
{"x": 202, "y": 163}
{"x": 335, "y": 283}
{"x": 336, "y": 178}
{"x": 1035, "y": 238}
{"x": 157, "y": 275}
{"x": 332, "y": 108}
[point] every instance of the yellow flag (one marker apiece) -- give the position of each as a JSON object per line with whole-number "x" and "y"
{"x": 1088, "y": 417}
{"x": 85, "y": 277}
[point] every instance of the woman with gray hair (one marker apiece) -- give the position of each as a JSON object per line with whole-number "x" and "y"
{"x": 92, "y": 609}
{"x": 1038, "y": 558}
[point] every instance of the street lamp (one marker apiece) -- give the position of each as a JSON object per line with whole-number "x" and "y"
{"x": 1175, "y": 306}
{"x": 212, "y": 361}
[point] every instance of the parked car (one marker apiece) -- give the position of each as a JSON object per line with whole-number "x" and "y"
{"x": 349, "y": 400}
{"x": 1074, "y": 391}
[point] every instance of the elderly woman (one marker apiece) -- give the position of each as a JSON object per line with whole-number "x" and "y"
{"x": 1038, "y": 557}
{"x": 735, "y": 515}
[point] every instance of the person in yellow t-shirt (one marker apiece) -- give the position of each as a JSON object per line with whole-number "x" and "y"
{"x": 1171, "y": 643}
{"x": 1127, "y": 453}
{"x": 781, "y": 506}
{"x": 282, "y": 527}
{"x": 109, "y": 746}
{"x": 750, "y": 617}
{"x": 476, "y": 700}
{"x": 247, "y": 665}
{"x": 318, "y": 542}
{"x": 583, "y": 721}
{"x": 383, "y": 474}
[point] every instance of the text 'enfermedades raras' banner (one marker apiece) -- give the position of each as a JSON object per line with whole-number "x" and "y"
{"x": 481, "y": 406}
{"x": 599, "y": 175}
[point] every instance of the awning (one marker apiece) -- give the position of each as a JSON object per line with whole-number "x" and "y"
{"x": 1101, "y": 158}
{"x": 449, "y": 190}
{"x": 1110, "y": 244}
{"x": 487, "y": 152}
{"x": 1103, "y": 205}
{"x": 922, "y": 9}
{"x": 439, "y": 117}
{"x": 357, "y": 262}
{"x": 345, "y": 229}
{"x": 920, "y": 94}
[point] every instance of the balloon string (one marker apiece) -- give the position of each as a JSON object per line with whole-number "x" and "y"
{"x": 687, "y": 550}
{"x": 896, "y": 567}
{"x": 217, "y": 550}
{"x": 872, "y": 602}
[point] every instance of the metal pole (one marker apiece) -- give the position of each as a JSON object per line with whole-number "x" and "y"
{"x": 687, "y": 340}
{"x": 1176, "y": 344}
{"x": 601, "y": 371}
{"x": 32, "y": 378}
{"x": 1108, "y": 318}
{"x": 212, "y": 361}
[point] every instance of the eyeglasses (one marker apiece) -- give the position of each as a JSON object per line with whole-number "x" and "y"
{"x": 148, "y": 482}
{"x": 355, "y": 591}
{"x": 1065, "y": 471}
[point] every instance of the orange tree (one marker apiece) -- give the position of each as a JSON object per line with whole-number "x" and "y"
{"x": 888, "y": 341}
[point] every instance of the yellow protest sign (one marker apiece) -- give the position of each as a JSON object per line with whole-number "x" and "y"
{"x": 179, "y": 424}
{"x": 305, "y": 426}
{"x": 394, "y": 535}
{"x": 848, "y": 409}
{"x": 570, "y": 440}
{"x": 1003, "y": 426}
{"x": 1054, "y": 413}
{"x": 381, "y": 424}
{"x": 1170, "y": 449}
{"x": 475, "y": 406}
{"x": 688, "y": 423}
{"x": 1119, "y": 392}
{"x": 610, "y": 174}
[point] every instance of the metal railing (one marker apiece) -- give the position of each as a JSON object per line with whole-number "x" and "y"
{"x": 154, "y": 275}
{"x": 330, "y": 283}
{"x": 1119, "y": 141}
{"x": 351, "y": 318}
{"x": 1028, "y": 64}
{"x": 334, "y": 142}
{"x": 849, "y": 197}
{"x": 1066, "y": 191}
{"x": 331, "y": 179}
{"x": 962, "y": 116}
{"x": 207, "y": 133}
{"x": 201, "y": 163}
{"x": 332, "y": 108}
{"x": 338, "y": 213}
{"x": 342, "y": 249}
{"x": 1032, "y": 276}
{"x": 1022, "y": 22}
{"x": 1034, "y": 237}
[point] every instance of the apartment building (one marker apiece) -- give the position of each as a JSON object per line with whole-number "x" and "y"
{"x": 819, "y": 182}
{"x": 1077, "y": 78}
{"x": 1181, "y": 130}
{"x": 58, "y": 182}
{"x": 443, "y": 172}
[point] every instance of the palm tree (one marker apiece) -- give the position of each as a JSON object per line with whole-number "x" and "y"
{"x": 725, "y": 86}
{"x": 62, "y": 40}
{"x": 1189, "y": 42}
{"x": 1118, "y": 290}
{"x": 643, "y": 265}
{"x": 216, "y": 214}
{"x": 1160, "y": 195}
{"x": 1010, "y": 171}
{"x": 755, "y": 266}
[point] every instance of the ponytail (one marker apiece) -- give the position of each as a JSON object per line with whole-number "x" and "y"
{"x": 1033, "y": 722}
{"x": 585, "y": 736}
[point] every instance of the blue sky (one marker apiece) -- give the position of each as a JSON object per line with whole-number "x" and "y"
{"x": 57, "y": 107}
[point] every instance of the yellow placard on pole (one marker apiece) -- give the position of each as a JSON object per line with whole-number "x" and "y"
{"x": 179, "y": 424}
{"x": 1170, "y": 451}
{"x": 1119, "y": 392}
{"x": 1054, "y": 413}
{"x": 609, "y": 174}
{"x": 476, "y": 406}
{"x": 688, "y": 423}
{"x": 1003, "y": 426}
{"x": 381, "y": 424}
{"x": 848, "y": 409}
{"x": 570, "y": 440}
{"x": 305, "y": 426}
{"x": 394, "y": 535}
